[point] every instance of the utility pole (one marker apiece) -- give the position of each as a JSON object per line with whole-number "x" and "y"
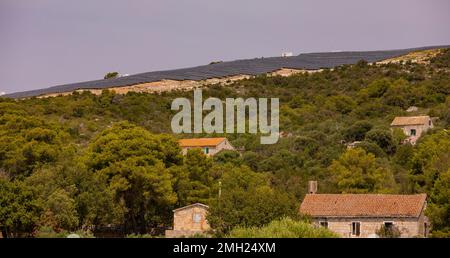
{"x": 220, "y": 194}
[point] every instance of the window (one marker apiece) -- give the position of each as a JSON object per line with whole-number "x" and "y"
{"x": 413, "y": 132}
{"x": 197, "y": 217}
{"x": 389, "y": 225}
{"x": 323, "y": 224}
{"x": 206, "y": 150}
{"x": 356, "y": 228}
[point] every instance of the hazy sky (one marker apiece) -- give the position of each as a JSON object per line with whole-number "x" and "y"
{"x": 49, "y": 42}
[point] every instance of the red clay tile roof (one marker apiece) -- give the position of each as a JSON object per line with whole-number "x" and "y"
{"x": 200, "y": 142}
{"x": 410, "y": 120}
{"x": 363, "y": 205}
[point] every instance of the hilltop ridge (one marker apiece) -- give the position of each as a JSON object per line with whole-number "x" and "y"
{"x": 229, "y": 71}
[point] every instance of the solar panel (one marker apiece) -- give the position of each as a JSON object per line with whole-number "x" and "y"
{"x": 254, "y": 66}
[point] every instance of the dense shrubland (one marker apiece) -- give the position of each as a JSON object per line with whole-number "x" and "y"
{"x": 283, "y": 228}
{"x": 85, "y": 162}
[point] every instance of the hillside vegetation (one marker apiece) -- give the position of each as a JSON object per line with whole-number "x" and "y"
{"x": 88, "y": 162}
{"x": 283, "y": 228}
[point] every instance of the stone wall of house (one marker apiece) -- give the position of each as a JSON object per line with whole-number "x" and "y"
{"x": 184, "y": 219}
{"x": 420, "y": 129}
{"x": 409, "y": 227}
{"x": 225, "y": 145}
{"x": 185, "y": 224}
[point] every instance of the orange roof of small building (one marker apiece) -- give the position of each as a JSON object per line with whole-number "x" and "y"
{"x": 410, "y": 120}
{"x": 201, "y": 142}
{"x": 363, "y": 205}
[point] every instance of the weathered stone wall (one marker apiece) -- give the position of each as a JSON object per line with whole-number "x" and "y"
{"x": 420, "y": 129}
{"x": 184, "y": 223}
{"x": 184, "y": 219}
{"x": 225, "y": 145}
{"x": 409, "y": 227}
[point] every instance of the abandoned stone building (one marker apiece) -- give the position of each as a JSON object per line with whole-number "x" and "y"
{"x": 189, "y": 220}
{"x": 412, "y": 126}
{"x": 209, "y": 146}
{"x": 362, "y": 215}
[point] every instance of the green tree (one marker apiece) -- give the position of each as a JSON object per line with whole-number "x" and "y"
{"x": 341, "y": 103}
{"x": 248, "y": 200}
{"x": 193, "y": 181}
{"x": 226, "y": 156}
{"x": 388, "y": 232}
{"x": 251, "y": 159}
{"x": 305, "y": 144}
{"x": 134, "y": 163}
{"x": 373, "y": 148}
{"x": 111, "y": 75}
{"x": 398, "y": 94}
{"x": 283, "y": 228}
{"x": 19, "y": 209}
{"x": 404, "y": 155}
{"x": 377, "y": 88}
{"x": 198, "y": 166}
{"x": 398, "y": 136}
{"x": 94, "y": 203}
{"x": 357, "y": 131}
{"x": 438, "y": 209}
{"x": 358, "y": 172}
{"x": 60, "y": 211}
{"x": 98, "y": 204}
{"x": 27, "y": 143}
{"x": 382, "y": 138}
{"x": 431, "y": 158}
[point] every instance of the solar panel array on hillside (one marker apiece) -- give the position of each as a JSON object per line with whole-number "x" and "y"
{"x": 255, "y": 66}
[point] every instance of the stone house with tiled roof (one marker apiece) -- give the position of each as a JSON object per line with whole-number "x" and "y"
{"x": 209, "y": 146}
{"x": 362, "y": 215}
{"x": 189, "y": 220}
{"x": 412, "y": 126}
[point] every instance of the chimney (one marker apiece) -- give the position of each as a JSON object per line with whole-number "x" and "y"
{"x": 312, "y": 187}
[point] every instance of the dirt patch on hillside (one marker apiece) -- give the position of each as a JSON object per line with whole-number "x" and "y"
{"x": 159, "y": 86}
{"x": 289, "y": 71}
{"x": 420, "y": 57}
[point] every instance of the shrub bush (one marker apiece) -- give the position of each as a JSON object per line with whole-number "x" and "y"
{"x": 283, "y": 228}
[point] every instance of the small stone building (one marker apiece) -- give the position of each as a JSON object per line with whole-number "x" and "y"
{"x": 189, "y": 220}
{"x": 412, "y": 126}
{"x": 210, "y": 146}
{"x": 362, "y": 215}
